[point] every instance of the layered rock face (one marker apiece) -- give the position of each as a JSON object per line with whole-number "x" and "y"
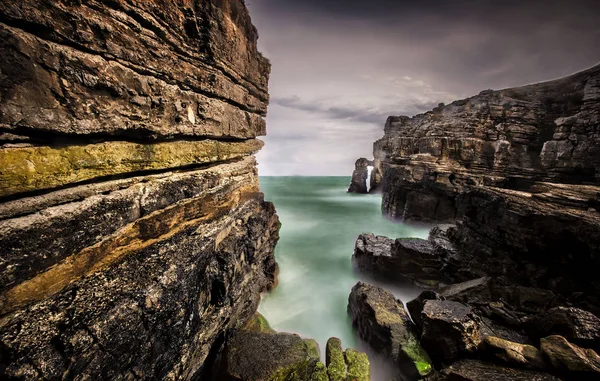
{"x": 132, "y": 231}
{"x": 513, "y": 138}
{"x": 512, "y": 275}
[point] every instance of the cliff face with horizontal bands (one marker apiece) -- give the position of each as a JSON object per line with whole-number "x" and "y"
{"x": 132, "y": 230}
{"x": 518, "y": 171}
{"x": 547, "y": 132}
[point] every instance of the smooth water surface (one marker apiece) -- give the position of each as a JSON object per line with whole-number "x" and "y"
{"x": 320, "y": 223}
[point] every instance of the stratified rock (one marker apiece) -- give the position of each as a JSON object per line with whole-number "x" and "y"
{"x": 574, "y": 324}
{"x": 25, "y": 169}
{"x": 334, "y": 359}
{"x": 513, "y": 354}
{"x": 256, "y": 356}
{"x": 450, "y": 330}
{"x": 579, "y": 363}
{"x": 474, "y": 370}
{"x": 133, "y": 234}
{"x": 360, "y": 177}
{"x": 358, "y": 367}
{"x": 508, "y": 168}
{"x": 383, "y": 323}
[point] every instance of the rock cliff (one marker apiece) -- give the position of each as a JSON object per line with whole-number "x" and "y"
{"x": 132, "y": 231}
{"x": 517, "y": 173}
{"x": 513, "y": 138}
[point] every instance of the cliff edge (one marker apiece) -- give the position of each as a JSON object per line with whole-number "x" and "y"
{"x": 132, "y": 231}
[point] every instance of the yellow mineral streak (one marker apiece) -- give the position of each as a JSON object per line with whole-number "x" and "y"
{"x": 27, "y": 169}
{"x": 142, "y": 233}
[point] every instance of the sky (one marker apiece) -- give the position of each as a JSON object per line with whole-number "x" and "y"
{"x": 340, "y": 67}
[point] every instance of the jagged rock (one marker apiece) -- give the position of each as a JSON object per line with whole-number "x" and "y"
{"x": 360, "y": 177}
{"x": 334, "y": 359}
{"x": 415, "y": 306}
{"x": 576, "y": 325}
{"x": 507, "y": 167}
{"x": 358, "y": 367}
{"x": 413, "y": 259}
{"x": 259, "y": 356}
{"x": 475, "y": 370}
{"x": 382, "y": 322}
{"x": 513, "y": 354}
{"x": 450, "y": 330}
{"x": 579, "y": 363}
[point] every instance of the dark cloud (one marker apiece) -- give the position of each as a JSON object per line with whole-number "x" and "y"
{"x": 341, "y": 67}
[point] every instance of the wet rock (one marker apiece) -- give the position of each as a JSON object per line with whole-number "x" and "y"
{"x": 574, "y": 324}
{"x": 334, "y": 359}
{"x": 415, "y": 306}
{"x": 256, "y": 356}
{"x": 450, "y": 330}
{"x": 382, "y": 322}
{"x": 412, "y": 259}
{"x": 475, "y": 370}
{"x": 513, "y": 354}
{"x": 579, "y": 363}
{"x": 358, "y": 367}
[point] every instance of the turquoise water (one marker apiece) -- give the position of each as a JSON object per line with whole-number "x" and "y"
{"x": 320, "y": 223}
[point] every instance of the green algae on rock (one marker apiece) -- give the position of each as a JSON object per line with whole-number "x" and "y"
{"x": 258, "y": 323}
{"x": 24, "y": 169}
{"x": 334, "y": 358}
{"x": 359, "y": 368}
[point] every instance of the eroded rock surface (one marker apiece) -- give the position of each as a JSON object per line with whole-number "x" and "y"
{"x": 382, "y": 322}
{"x": 132, "y": 231}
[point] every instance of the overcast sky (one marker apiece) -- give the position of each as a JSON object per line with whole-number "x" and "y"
{"x": 340, "y": 67}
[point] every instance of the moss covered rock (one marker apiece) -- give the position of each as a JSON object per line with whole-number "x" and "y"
{"x": 382, "y": 322}
{"x": 334, "y": 358}
{"x": 358, "y": 367}
{"x": 258, "y": 323}
{"x": 312, "y": 348}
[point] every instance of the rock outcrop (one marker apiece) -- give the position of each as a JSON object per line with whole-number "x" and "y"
{"x": 382, "y": 322}
{"x": 133, "y": 235}
{"x": 515, "y": 176}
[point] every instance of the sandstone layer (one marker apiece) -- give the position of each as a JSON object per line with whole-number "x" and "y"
{"x": 133, "y": 235}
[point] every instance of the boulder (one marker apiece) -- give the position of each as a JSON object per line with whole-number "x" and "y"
{"x": 450, "y": 330}
{"x": 576, "y": 325}
{"x": 413, "y": 259}
{"x": 513, "y": 354}
{"x": 262, "y": 356}
{"x": 475, "y": 370}
{"x": 380, "y": 320}
{"x": 579, "y": 363}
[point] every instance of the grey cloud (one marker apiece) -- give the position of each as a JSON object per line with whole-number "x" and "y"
{"x": 340, "y": 68}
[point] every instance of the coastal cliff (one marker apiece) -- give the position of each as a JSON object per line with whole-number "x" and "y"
{"x": 512, "y": 138}
{"x": 513, "y": 291}
{"x": 133, "y": 234}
